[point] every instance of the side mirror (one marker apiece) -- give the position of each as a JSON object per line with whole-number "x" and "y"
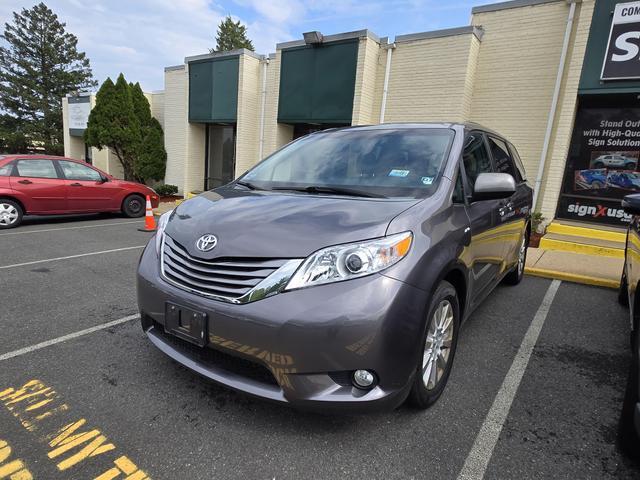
{"x": 104, "y": 178}
{"x": 493, "y": 186}
{"x": 631, "y": 204}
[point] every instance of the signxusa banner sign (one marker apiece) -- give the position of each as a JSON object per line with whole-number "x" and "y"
{"x": 622, "y": 60}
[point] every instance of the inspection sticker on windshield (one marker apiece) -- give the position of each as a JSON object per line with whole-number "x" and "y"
{"x": 427, "y": 180}
{"x": 398, "y": 173}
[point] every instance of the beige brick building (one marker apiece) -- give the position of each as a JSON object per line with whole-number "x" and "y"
{"x": 520, "y": 68}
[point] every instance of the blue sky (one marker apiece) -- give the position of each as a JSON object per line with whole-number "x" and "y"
{"x": 141, "y": 37}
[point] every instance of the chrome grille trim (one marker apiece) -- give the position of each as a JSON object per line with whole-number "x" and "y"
{"x": 240, "y": 280}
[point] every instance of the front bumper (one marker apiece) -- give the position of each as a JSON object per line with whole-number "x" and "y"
{"x": 307, "y": 341}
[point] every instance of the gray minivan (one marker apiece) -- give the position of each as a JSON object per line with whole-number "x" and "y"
{"x": 337, "y": 271}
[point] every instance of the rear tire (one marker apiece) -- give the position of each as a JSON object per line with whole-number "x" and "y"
{"x": 134, "y": 206}
{"x": 514, "y": 277}
{"x": 10, "y": 214}
{"x": 598, "y": 165}
{"x": 439, "y": 347}
{"x": 628, "y": 436}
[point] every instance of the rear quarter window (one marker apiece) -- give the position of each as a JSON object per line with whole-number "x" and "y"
{"x": 5, "y": 170}
{"x": 503, "y": 162}
{"x": 518, "y": 163}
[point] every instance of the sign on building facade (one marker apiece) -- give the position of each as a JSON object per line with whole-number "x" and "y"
{"x": 622, "y": 58}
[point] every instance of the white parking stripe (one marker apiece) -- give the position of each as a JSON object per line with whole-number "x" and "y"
{"x": 67, "y": 228}
{"x": 477, "y": 461}
{"x": 35, "y": 262}
{"x": 64, "y": 338}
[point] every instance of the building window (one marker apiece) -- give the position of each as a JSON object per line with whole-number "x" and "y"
{"x": 88, "y": 154}
{"x": 220, "y": 159}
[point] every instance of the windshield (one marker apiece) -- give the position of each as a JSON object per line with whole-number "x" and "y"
{"x": 398, "y": 162}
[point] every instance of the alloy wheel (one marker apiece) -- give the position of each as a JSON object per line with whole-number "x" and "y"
{"x": 438, "y": 345}
{"x": 8, "y": 214}
{"x": 135, "y": 206}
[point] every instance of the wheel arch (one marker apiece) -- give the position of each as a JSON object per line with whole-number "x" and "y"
{"x": 14, "y": 199}
{"x": 635, "y": 310}
{"x": 455, "y": 275}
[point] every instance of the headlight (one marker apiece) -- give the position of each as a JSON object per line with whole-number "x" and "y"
{"x": 351, "y": 260}
{"x": 162, "y": 224}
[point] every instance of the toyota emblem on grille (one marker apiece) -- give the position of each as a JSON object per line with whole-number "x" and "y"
{"x": 207, "y": 242}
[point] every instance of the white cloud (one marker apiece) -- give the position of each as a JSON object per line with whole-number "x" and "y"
{"x": 136, "y": 38}
{"x": 141, "y": 37}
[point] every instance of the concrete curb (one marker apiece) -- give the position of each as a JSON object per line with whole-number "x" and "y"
{"x": 572, "y": 277}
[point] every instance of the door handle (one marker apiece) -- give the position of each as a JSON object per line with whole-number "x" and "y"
{"x": 75, "y": 184}
{"x": 25, "y": 182}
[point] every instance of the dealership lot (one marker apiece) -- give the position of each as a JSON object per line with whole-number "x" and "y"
{"x": 104, "y": 403}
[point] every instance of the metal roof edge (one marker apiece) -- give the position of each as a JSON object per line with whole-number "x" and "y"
{"x": 366, "y": 33}
{"x": 447, "y": 32}
{"x": 494, "y": 7}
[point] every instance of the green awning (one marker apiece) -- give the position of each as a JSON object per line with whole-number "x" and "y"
{"x": 213, "y": 90}
{"x": 317, "y": 83}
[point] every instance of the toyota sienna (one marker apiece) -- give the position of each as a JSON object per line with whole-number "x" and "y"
{"x": 337, "y": 271}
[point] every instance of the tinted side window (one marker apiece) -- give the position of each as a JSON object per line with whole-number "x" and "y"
{"x": 518, "y": 161}
{"x": 502, "y": 157}
{"x": 5, "y": 170}
{"x": 36, "y": 168}
{"x": 75, "y": 171}
{"x": 458, "y": 191}
{"x": 475, "y": 157}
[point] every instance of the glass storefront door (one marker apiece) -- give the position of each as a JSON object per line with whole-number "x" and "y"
{"x": 220, "y": 155}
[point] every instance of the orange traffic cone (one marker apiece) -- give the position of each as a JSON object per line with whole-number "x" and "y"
{"x": 149, "y": 219}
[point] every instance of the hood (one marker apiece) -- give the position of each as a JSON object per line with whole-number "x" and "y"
{"x": 120, "y": 182}
{"x": 279, "y": 225}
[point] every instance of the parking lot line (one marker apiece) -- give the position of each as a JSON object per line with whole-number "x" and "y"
{"x": 64, "y": 338}
{"x": 35, "y": 262}
{"x": 67, "y": 228}
{"x": 478, "y": 459}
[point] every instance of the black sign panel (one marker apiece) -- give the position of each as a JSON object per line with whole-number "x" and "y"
{"x": 622, "y": 60}
{"x": 603, "y": 165}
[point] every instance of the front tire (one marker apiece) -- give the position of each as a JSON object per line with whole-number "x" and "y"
{"x": 439, "y": 340}
{"x": 514, "y": 277}
{"x": 134, "y": 206}
{"x": 10, "y": 214}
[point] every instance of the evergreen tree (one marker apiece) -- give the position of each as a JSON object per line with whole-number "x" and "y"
{"x": 113, "y": 124}
{"x": 39, "y": 64}
{"x": 121, "y": 121}
{"x": 151, "y": 157}
{"x": 231, "y": 36}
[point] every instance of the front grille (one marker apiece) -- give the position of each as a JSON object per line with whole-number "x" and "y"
{"x": 217, "y": 359}
{"x": 226, "y": 278}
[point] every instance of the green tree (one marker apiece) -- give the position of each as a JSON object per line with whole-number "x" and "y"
{"x": 151, "y": 158}
{"x": 231, "y": 36}
{"x": 12, "y": 138}
{"x": 39, "y": 64}
{"x": 121, "y": 121}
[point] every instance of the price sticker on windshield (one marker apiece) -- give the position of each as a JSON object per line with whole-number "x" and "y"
{"x": 398, "y": 173}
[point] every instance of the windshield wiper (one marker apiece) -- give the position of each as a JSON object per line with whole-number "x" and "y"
{"x": 337, "y": 190}
{"x": 249, "y": 185}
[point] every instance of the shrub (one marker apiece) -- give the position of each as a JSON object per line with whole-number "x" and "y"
{"x": 166, "y": 189}
{"x": 536, "y": 221}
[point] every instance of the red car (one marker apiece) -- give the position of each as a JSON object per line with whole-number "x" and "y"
{"x": 49, "y": 185}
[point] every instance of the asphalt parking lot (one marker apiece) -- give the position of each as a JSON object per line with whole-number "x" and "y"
{"x": 536, "y": 389}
